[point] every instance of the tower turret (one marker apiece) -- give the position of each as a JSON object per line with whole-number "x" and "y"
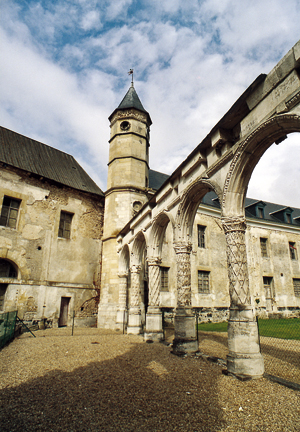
{"x": 127, "y": 188}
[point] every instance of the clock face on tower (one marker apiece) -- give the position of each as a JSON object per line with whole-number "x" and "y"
{"x": 125, "y": 125}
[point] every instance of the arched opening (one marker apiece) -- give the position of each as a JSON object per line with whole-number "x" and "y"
{"x": 8, "y": 270}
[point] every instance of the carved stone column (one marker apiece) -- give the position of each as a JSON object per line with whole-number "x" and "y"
{"x": 244, "y": 356}
{"x": 154, "y": 330}
{"x": 122, "y": 309}
{"x": 185, "y": 339}
{"x": 134, "y": 317}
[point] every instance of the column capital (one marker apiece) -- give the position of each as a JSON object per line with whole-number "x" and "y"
{"x": 236, "y": 223}
{"x": 182, "y": 247}
{"x": 153, "y": 261}
{"x": 123, "y": 274}
{"x": 135, "y": 268}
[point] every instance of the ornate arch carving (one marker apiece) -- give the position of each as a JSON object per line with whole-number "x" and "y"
{"x": 189, "y": 204}
{"x": 248, "y": 154}
{"x": 157, "y": 232}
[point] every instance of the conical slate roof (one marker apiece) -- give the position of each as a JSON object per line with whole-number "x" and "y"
{"x": 131, "y": 100}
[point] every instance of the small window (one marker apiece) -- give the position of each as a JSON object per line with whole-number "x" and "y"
{"x": 296, "y": 283}
{"x": 164, "y": 278}
{"x": 64, "y": 230}
{"x": 263, "y": 247}
{"x": 201, "y": 236}
{"x": 9, "y": 212}
{"x": 260, "y": 211}
{"x": 203, "y": 282}
{"x": 288, "y": 218}
{"x": 293, "y": 250}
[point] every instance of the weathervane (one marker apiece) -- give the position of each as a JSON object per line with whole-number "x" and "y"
{"x": 131, "y": 73}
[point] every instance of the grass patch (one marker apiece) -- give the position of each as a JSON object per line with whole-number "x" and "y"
{"x": 276, "y": 328}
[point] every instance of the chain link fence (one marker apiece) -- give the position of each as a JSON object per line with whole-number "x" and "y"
{"x": 279, "y": 340}
{"x": 7, "y": 327}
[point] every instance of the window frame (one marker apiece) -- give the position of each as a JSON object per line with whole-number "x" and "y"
{"x": 264, "y": 247}
{"x": 296, "y": 288}
{"x": 201, "y": 237}
{"x": 164, "y": 278}
{"x": 293, "y": 250}
{"x": 205, "y": 282}
{"x": 62, "y": 230}
{"x": 9, "y": 209}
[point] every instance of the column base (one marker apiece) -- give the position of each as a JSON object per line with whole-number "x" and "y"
{"x": 185, "y": 340}
{"x": 121, "y": 319}
{"x": 243, "y": 365}
{"x": 244, "y": 358}
{"x": 134, "y": 321}
{"x": 154, "y": 330}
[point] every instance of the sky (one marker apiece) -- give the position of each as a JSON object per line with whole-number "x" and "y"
{"x": 65, "y": 63}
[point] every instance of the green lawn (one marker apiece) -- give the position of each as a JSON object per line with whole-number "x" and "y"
{"x": 277, "y": 328}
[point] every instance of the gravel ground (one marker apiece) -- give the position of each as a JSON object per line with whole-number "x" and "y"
{"x": 103, "y": 381}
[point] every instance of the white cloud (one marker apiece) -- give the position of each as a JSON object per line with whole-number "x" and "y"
{"x": 65, "y": 63}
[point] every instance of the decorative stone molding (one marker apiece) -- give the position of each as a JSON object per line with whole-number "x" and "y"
{"x": 123, "y": 290}
{"x": 135, "y": 286}
{"x": 154, "y": 280}
{"x": 129, "y": 113}
{"x": 235, "y": 228}
{"x": 183, "y": 251}
{"x": 269, "y": 124}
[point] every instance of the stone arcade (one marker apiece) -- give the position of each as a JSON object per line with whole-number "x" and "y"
{"x": 223, "y": 163}
{"x": 185, "y": 242}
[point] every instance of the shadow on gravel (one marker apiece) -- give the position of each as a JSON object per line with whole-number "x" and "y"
{"x": 145, "y": 389}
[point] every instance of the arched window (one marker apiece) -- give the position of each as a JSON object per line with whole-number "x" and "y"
{"x": 7, "y": 270}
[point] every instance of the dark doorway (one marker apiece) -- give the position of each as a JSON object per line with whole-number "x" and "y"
{"x": 3, "y": 288}
{"x": 64, "y": 307}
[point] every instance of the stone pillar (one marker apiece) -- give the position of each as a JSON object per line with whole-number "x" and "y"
{"x": 244, "y": 358}
{"x": 154, "y": 329}
{"x": 185, "y": 340}
{"x": 122, "y": 309}
{"x": 134, "y": 316}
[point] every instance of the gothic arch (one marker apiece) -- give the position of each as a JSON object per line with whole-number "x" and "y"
{"x": 248, "y": 155}
{"x": 8, "y": 269}
{"x": 124, "y": 261}
{"x": 157, "y": 233}
{"x": 188, "y": 207}
{"x": 138, "y": 249}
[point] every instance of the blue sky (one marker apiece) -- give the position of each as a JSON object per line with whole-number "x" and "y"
{"x": 64, "y": 67}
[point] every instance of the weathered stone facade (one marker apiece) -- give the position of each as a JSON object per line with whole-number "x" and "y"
{"x": 49, "y": 267}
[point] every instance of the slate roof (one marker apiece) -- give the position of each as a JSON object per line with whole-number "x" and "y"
{"x": 131, "y": 100}
{"x": 40, "y": 159}
{"x": 272, "y": 212}
{"x": 156, "y": 179}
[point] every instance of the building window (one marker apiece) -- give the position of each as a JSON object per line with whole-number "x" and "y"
{"x": 64, "y": 230}
{"x": 164, "y": 278}
{"x": 201, "y": 236}
{"x": 288, "y": 218}
{"x": 296, "y": 283}
{"x": 260, "y": 211}
{"x": 293, "y": 250}
{"x": 203, "y": 282}
{"x": 263, "y": 247}
{"x": 9, "y": 212}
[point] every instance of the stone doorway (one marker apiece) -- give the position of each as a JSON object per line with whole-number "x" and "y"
{"x": 64, "y": 309}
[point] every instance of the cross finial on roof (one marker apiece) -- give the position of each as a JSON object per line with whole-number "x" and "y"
{"x": 131, "y": 73}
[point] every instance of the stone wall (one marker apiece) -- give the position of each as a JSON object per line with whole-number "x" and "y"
{"x": 51, "y": 267}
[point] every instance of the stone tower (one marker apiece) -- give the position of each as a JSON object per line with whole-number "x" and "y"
{"x": 127, "y": 185}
